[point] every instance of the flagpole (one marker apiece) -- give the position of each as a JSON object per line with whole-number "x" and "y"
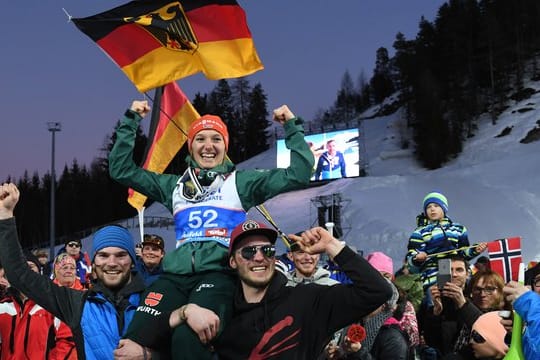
{"x": 451, "y": 251}
{"x": 288, "y": 243}
{"x": 154, "y": 118}
{"x": 138, "y": 202}
{"x": 53, "y": 127}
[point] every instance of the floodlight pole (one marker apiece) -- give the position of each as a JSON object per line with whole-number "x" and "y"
{"x": 53, "y": 127}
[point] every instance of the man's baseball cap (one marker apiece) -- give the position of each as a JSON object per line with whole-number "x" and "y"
{"x": 250, "y": 227}
{"x": 150, "y": 239}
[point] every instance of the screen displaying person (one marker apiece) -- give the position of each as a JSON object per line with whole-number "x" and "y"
{"x": 331, "y": 164}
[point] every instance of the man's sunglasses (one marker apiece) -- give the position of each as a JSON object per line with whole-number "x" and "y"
{"x": 248, "y": 252}
{"x": 74, "y": 244}
{"x": 477, "y": 338}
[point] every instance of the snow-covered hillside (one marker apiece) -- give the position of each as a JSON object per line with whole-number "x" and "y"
{"x": 493, "y": 188}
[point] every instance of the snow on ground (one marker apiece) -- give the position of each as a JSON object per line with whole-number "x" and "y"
{"x": 493, "y": 188}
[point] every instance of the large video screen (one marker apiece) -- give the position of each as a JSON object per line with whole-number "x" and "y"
{"x": 336, "y": 154}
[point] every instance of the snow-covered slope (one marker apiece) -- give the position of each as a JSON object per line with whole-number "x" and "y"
{"x": 493, "y": 188}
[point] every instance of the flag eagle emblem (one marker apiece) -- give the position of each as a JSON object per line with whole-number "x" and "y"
{"x": 170, "y": 26}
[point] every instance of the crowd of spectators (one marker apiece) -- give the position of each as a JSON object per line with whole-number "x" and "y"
{"x": 289, "y": 306}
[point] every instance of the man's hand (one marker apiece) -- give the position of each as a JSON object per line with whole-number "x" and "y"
{"x": 140, "y": 107}
{"x": 454, "y": 292}
{"x": 318, "y": 240}
{"x": 9, "y": 196}
{"x": 514, "y": 290}
{"x": 332, "y": 351}
{"x": 129, "y": 349}
{"x": 350, "y": 347}
{"x": 508, "y": 324}
{"x": 282, "y": 114}
{"x": 204, "y": 322}
{"x": 436, "y": 298}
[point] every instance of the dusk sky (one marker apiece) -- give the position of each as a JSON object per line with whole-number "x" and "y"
{"x": 51, "y": 72}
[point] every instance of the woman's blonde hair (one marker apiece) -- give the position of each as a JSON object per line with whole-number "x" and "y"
{"x": 492, "y": 278}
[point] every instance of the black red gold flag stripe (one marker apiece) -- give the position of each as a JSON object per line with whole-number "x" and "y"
{"x": 156, "y": 42}
{"x": 171, "y": 117}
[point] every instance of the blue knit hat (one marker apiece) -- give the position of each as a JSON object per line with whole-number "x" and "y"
{"x": 437, "y": 198}
{"x": 115, "y": 236}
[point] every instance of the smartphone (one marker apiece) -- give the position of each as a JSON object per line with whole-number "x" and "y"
{"x": 444, "y": 275}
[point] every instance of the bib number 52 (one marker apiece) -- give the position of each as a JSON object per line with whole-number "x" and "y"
{"x": 198, "y": 218}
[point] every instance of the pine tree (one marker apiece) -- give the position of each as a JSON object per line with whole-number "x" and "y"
{"x": 404, "y": 61}
{"x": 257, "y": 125}
{"x": 200, "y": 102}
{"x": 240, "y": 94}
{"x": 430, "y": 130}
{"x": 344, "y": 106}
{"x": 381, "y": 82}
{"x": 220, "y": 102}
{"x": 362, "y": 98}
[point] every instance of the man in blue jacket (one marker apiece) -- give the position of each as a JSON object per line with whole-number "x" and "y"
{"x": 99, "y": 317}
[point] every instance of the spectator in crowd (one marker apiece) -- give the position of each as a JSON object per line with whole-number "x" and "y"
{"x": 307, "y": 270}
{"x": 84, "y": 269}
{"x": 384, "y": 337}
{"x": 97, "y": 317}
{"x": 486, "y": 295}
{"x": 526, "y": 303}
{"x": 149, "y": 263}
{"x": 436, "y": 240}
{"x": 207, "y": 201}
{"x": 407, "y": 315}
{"x": 439, "y": 322}
{"x": 481, "y": 264}
{"x": 532, "y": 278}
{"x": 331, "y": 164}
{"x": 391, "y": 330}
{"x": 43, "y": 257}
{"x": 531, "y": 274}
{"x": 487, "y": 338}
{"x": 64, "y": 274}
{"x": 336, "y": 273}
{"x": 272, "y": 318}
{"x": 411, "y": 284}
{"x": 24, "y": 325}
{"x": 487, "y": 290}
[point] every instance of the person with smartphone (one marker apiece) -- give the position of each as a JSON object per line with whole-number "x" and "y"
{"x": 439, "y": 322}
{"x": 486, "y": 295}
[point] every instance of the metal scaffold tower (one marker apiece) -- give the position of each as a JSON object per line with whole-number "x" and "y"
{"x": 329, "y": 210}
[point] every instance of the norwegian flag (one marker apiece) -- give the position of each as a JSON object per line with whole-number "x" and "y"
{"x": 505, "y": 257}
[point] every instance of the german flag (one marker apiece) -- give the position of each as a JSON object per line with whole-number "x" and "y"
{"x": 156, "y": 42}
{"x": 172, "y": 115}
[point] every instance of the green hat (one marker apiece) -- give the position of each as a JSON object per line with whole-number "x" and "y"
{"x": 437, "y": 198}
